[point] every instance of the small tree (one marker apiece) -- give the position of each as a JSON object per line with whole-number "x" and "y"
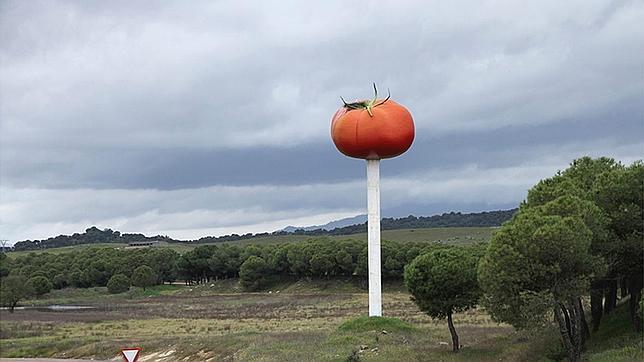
{"x": 5, "y": 264}
{"x": 321, "y": 264}
{"x": 118, "y": 283}
{"x": 39, "y": 285}
{"x": 143, "y": 277}
{"x": 252, "y": 273}
{"x": 60, "y": 281}
{"x": 538, "y": 265}
{"x": 12, "y": 290}
{"x": 443, "y": 282}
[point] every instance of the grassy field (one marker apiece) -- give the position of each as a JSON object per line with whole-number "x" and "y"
{"x": 457, "y": 235}
{"x": 66, "y": 249}
{"x": 299, "y": 321}
{"x": 305, "y": 320}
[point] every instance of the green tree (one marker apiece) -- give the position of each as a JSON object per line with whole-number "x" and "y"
{"x": 165, "y": 262}
{"x": 5, "y": 265}
{"x": 298, "y": 260}
{"x": 620, "y": 194}
{"x": 144, "y": 277}
{"x": 253, "y": 273}
{"x": 321, "y": 264}
{"x": 77, "y": 279}
{"x": 60, "y": 281}
{"x": 13, "y": 289}
{"x": 217, "y": 263}
{"x": 618, "y": 191}
{"x": 393, "y": 260}
{"x": 39, "y": 285}
{"x": 344, "y": 262}
{"x": 279, "y": 259}
{"x": 539, "y": 263}
{"x": 443, "y": 282}
{"x": 118, "y": 283}
{"x": 233, "y": 260}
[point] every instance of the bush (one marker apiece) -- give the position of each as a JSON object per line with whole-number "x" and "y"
{"x": 60, "y": 281}
{"x": 118, "y": 283}
{"x": 144, "y": 277}
{"x": 252, "y": 273}
{"x": 39, "y": 285}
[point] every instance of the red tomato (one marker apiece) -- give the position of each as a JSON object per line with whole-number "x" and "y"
{"x": 372, "y": 129}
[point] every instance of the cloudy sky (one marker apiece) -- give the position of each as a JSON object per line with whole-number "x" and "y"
{"x": 212, "y": 117}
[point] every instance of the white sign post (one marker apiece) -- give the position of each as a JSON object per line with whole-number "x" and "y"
{"x": 373, "y": 228}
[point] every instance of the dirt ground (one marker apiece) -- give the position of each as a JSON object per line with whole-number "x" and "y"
{"x": 48, "y": 360}
{"x": 205, "y": 324}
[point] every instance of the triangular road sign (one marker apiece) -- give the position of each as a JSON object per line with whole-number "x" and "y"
{"x": 131, "y": 354}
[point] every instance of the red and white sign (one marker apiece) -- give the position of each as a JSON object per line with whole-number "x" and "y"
{"x": 131, "y": 354}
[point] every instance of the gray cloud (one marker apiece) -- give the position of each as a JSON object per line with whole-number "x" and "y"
{"x": 100, "y": 101}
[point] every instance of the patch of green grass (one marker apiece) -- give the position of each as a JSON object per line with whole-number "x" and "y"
{"x": 365, "y": 324}
{"x": 69, "y": 296}
{"x": 616, "y": 338}
{"x": 65, "y": 249}
{"x": 156, "y": 290}
{"x": 627, "y": 353}
{"x": 100, "y": 294}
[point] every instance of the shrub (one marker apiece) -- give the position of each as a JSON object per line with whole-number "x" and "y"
{"x": 144, "y": 277}
{"x": 118, "y": 283}
{"x": 39, "y": 285}
{"x": 252, "y": 273}
{"x": 60, "y": 281}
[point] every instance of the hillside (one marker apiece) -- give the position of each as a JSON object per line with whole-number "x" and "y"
{"x": 94, "y": 235}
{"x": 454, "y": 235}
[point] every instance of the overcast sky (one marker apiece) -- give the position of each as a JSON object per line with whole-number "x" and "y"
{"x": 206, "y": 118}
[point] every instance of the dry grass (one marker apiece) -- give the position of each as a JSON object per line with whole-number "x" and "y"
{"x": 201, "y": 323}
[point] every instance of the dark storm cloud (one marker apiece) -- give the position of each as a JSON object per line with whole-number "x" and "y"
{"x": 126, "y": 105}
{"x": 177, "y": 168}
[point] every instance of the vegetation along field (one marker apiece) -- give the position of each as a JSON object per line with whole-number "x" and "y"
{"x": 306, "y": 320}
{"x": 464, "y": 235}
{"x": 561, "y": 280}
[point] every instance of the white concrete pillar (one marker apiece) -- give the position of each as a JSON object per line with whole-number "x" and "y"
{"x": 373, "y": 227}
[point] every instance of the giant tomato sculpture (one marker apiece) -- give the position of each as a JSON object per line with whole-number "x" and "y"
{"x": 372, "y": 129}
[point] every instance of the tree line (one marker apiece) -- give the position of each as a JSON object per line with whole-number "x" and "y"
{"x": 38, "y": 273}
{"x": 254, "y": 265}
{"x": 92, "y": 235}
{"x": 95, "y": 235}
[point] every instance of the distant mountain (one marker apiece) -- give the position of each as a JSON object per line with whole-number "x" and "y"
{"x": 348, "y": 221}
{"x": 451, "y": 219}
